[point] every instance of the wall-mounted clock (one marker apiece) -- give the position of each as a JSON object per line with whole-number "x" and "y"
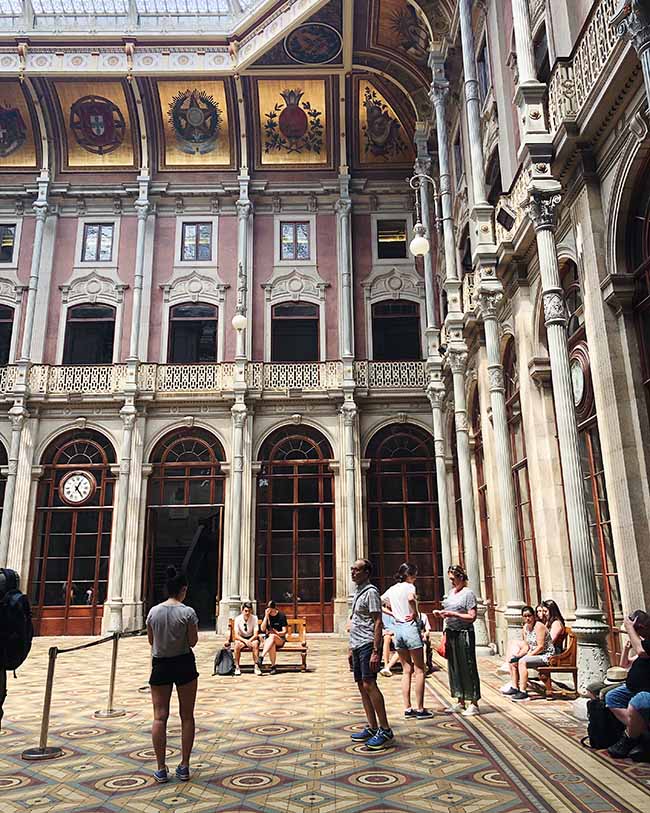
{"x": 77, "y": 487}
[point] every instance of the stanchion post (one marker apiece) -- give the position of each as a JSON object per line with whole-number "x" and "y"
{"x": 109, "y": 712}
{"x": 43, "y": 751}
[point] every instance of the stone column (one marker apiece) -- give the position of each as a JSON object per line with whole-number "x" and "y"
{"x": 422, "y": 171}
{"x": 349, "y": 412}
{"x": 589, "y": 627}
{"x": 489, "y": 303}
{"x": 436, "y": 395}
{"x": 40, "y": 211}
{"x": 239, "y": 413}
{"x": 344, "y": 231}
{"x": 244, "y": 210}
{"x": 472, "y": 101}
{"x": 523, "y": 42}
{"x": 115, "y": 604}
{"x": 632, "y": 20}
{"x": 17, "y": 415}
{"x": 142, "y": 208}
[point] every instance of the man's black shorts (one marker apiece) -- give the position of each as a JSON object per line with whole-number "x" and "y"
{"x": 179, "y": 670}
{"x": 361, "y": 663}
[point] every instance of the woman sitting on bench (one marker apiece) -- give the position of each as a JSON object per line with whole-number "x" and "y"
{"x": 536, "y": 647}
{"x": 274, "y": 626}
{"x": 556, "y": 624}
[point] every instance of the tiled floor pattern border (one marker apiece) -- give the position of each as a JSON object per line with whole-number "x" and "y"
{"x": 280, "y": 744}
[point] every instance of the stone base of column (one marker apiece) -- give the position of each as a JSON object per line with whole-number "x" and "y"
{"x": 228, "y": 608}
{"x": 114, "y": 607}
{"x": 483, "y": 645}
{"x": 593, "y": 660}
{"x": 132, "y": 616}
{"x": 514, "y": 620}
{"x": 341, "y": 615}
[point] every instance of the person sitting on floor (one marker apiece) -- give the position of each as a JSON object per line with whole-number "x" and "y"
{"x": 246, "y": 636}
{"x": 555, "y": 622}
{"x": 631, "y": 703}
{"x": 274, "y": 625}
{"x": 390, "y": 656}
{"x": 535, "y": 649}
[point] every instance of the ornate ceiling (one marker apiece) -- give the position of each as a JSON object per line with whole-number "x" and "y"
{"x": 340, "y": 88}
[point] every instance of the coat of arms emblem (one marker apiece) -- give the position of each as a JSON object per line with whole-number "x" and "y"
{"x": 196, "y": 119}
{"x": 12, "y": 130}
{"x": 383, "y": 138}
{"x": 97, "y": 124}
{"x": 295, "y": 127}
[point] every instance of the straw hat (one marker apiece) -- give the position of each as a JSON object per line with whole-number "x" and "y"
{"x": 616, "y": 674}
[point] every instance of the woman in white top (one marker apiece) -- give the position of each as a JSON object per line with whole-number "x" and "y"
{"x": 246, "y": 635}
{"x": 400, "y": 601}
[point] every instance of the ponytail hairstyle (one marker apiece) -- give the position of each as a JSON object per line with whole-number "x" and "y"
{"x": 554, "y": 613}
{"x": 457, "y": 572}
{"x": 176, "y": 581}
{"x": 404, "y": 571}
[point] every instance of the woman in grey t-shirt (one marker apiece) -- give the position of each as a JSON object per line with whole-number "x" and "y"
{"x": 459, "y": 612}
{"x": 173, "y": 630}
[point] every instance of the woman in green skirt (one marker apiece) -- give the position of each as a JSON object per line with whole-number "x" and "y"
{"x": 459, "y": 612}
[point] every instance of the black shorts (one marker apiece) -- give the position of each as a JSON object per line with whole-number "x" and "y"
{"x": 361, "y": 663}
{"x": 179, "y": 670}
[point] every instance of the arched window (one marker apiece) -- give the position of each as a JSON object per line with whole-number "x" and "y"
{"x": 403, "y": 517}
{"x": 593, "y": 473}
{"x": 89, "y": 334}
{"x": 6, "y": 329}
{"x": 294, "y": 550}
{"x": 72, "y": 536}
{"x": 192, "y": 333}
{"x": 396, "y": 331}
{"x": 185, "y": 501}
{"x": 486, "y": 544}
{"x": 294, "y": 332}
{"x": 521, "y": 480}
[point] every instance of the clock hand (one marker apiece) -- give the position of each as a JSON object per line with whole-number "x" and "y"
{"x": 77, "y": 488}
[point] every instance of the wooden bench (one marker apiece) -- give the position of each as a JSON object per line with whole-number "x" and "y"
{"x": 565, "y": 662}
{"x": 296, "y": 639}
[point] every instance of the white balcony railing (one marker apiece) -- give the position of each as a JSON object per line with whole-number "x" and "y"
{"x": 177, "y": 379}
{"x": 84, "y": 379}
{"x": 317, "y": 376}
{"x": 393, "y": 375}
{"x": 573, "y": 79}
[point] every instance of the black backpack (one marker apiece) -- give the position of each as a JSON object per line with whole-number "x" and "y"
{"x": 224, "y": 662}
{"x": 16, "y": 628}
{"x": 603, "y": 729}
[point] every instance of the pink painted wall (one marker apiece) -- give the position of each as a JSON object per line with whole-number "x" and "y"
{"x": 227, "y": 259}
{"x": 328, "y": 269}
{"x": 163, "y": 261}
{"x": 24, "y": 269}
{"x": 125, "y": 273}
{"x": 262, "y": 271}
{"x": 64, "y": 249}
{"x": 362, "y": 266}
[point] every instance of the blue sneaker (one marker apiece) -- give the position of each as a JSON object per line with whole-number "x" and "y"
{"x": 183, "y": 773}
{"x": 378, "y": 742}
{"x": 161, "y": 776}
{"x": 366, "y": 734}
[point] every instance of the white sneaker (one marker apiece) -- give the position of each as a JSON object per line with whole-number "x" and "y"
{"x": 455, "y": 708}
{"x": 386, "y": 673}
{"x": 257, "y": 670}
{"x": 506, "y": 688}
{"x": 471, "y": 711}
{"x": 237, "y": 671}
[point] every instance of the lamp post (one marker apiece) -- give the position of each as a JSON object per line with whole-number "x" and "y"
{"x": 420, "y": 245}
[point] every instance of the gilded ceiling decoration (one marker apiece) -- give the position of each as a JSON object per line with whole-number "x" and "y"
{"x": 382, "y": 139}
{"x": 17, "y": 148}
{"x": 319, "y": 41}
{"x": 97, "y": 125}
{"x": 401, "y": 28}
{"x": 293, "y": 122}
{"x": 195, "y": 123}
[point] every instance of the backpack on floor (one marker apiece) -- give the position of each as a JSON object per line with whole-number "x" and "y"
{"x": 16, "y": 628}
{"x": 603, "y": 729}
{"x": 224, "y": 662}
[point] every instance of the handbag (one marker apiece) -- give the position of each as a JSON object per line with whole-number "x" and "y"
{"x": 603, "y": 729}
{"x": 442, "y": 646}
{"x": 224, "y": 662}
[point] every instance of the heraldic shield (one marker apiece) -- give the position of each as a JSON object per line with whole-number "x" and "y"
{"x": 196, "y": 119}
{"x": 97, "y": 124}
{"x": 12, "y": 130}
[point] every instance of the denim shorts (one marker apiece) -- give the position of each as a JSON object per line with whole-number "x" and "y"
{"x": 361, "y": 663}
{"x": 407, "y": 635}
{"x": 622, "y": 697}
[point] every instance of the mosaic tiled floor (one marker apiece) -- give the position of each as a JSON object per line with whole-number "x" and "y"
{"x": 280, "y": 744}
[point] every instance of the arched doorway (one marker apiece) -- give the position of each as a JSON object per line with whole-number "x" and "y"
{"x": 403, "y": 518}
{"x": 185, "y": 502}
{"x": 72, "y": 537}
{"x": 294, "y": 546}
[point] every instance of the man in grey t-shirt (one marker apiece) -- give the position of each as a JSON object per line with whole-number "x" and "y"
{"x": 365, "y": 644}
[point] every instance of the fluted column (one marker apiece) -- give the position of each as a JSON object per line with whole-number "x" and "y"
{"x": 422, "y": 171}
{"x": 589, "y": 626}
{"x": 523, "y": 42}
{"x": 632, "y": 20}
{"x": 239, "y": 413}
{"x": 436, "y": 394}
{"x": 344, "y": 232}
{"x": 472, "y": 101}
{"x": 489, "y": 303}
{"x": 142, "y": 209}
{"x": 41, "y": 209}
{"x": 244, "y": 211}
{"x": 349, "y": 413}
{"x": 17, "y": 415}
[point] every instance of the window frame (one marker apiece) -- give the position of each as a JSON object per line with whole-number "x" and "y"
{"x": 190, "y": 219}
{"x": 458, "y": 157}
{"x": 294, "y": 217}
{"x": 65, "y": 315}
{"x": 318, "y": 319}
{"x": 294, "y": 227}
{"x": 374, "y": 230}
{"x": 371, "y": 336}
{"x": 485, "y": 75}
{"x": 171, "y": 321}
{"x": 17, "y": 223}
{"x": 96, "y": 219}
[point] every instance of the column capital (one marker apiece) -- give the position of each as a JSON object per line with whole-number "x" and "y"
{"x": 436, "y": 394}
{"x": 489, "y": 303}
{"x": 17, "y": 415}
{"x": 542, "y": 208}
{"x": 244, "y": 209}
{"x": 349, "y": 413}
{"x": 457, "y": 360}
{"x": 554, "y": 307}
{"x": 239, "y": 412}
{"x": 632, "y": 21}
{"x": 343, "y": 207}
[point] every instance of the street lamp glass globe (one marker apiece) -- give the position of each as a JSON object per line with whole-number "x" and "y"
{"x": 419, "y": 246}
{"x": 239, "y": 321}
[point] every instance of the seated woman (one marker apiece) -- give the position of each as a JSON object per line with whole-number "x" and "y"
{"x": 535, "y": 649}
{"x": 274, "y": 627}
{"x": 390, "y": 657}
{"x": 246, "y": 636}
{"x": 556, "y": 624}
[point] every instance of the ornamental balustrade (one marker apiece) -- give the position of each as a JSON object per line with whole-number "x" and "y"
{"x": 469, "y": 287}
{"x": 83, "y": 379}
{"x": 177, "y": 379}
{"x": 575, "y": 77}
{"x": 393, "y": 375}
{"x": 513, "y": 205}
{"x": 317, "y": 376}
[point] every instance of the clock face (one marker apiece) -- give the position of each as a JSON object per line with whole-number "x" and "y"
{"x": 77, "y": 487}
{"x": 578, "y": 381}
